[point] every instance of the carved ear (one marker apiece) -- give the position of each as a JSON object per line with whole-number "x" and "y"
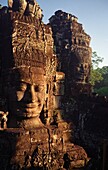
{"x": 10, "y": 3}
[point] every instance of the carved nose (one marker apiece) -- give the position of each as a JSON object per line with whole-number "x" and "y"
{"x": 32, "y": 94}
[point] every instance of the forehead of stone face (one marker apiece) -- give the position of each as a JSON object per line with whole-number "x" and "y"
{"x": 26, "y": 74}
{"x": 31, "y": 74}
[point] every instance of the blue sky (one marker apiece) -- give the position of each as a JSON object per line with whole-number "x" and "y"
{"x": 93, "y": 14}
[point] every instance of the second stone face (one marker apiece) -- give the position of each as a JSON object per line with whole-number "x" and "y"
{"x": 73, "y": 51}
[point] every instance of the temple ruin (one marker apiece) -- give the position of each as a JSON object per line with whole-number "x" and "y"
{"x": 73, "y": 51}
{"x": 46, "y": 101}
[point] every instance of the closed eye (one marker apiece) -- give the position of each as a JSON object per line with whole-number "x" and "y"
{"x": 22, "y": 87}
{"x": 39, "y": 88}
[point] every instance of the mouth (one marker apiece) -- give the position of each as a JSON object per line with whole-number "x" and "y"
{"x": 29, "y": 110}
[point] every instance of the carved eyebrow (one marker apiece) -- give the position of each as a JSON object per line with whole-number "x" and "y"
{"x": 39, "y": 83}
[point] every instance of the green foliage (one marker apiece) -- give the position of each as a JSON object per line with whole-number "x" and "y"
{"x": 96, "y": 60}
{"x": 99, "y": 76}
{"x": 104, "y": 81}
{"x": 102, "y": 91}
{"x": 104, "y": 70}
{"x": 96, "y": 75}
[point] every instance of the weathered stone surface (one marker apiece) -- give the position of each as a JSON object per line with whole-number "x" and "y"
{"x": 35, "y": 82}
{"x": 28, "y": 149}
{"x": 73, "y": 52}
{"x": 29, "y": 8}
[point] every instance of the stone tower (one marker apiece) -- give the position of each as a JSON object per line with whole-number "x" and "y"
{"x": 33, "y": 134}
{"x": 72, "y": 47}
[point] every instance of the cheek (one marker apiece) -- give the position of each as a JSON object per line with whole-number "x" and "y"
{"x": 14, "y": 95}
{"x": 19, "y": 95}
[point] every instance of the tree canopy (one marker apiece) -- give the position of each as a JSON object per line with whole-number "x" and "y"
{"x": 99, "y": 76}
{"x": 96, "y": 75}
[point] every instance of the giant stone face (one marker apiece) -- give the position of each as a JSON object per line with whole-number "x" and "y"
{"x": 26, "y": 92}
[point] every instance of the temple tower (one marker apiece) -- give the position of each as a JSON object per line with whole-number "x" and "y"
{"x": 72, "y": 47}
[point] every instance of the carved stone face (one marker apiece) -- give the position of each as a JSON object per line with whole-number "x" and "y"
{"x": 26, "y": 94}
{"x": 79, "y": 72}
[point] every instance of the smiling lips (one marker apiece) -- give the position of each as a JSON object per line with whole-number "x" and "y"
{"x": 29, "y": 110}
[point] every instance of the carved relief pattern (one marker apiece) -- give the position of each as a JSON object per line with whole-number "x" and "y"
{"x": 25, "y": 45}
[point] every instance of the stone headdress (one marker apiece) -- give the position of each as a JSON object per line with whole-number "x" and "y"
{"x": 26, "y": 48}
{"x": 22, "y": 48}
